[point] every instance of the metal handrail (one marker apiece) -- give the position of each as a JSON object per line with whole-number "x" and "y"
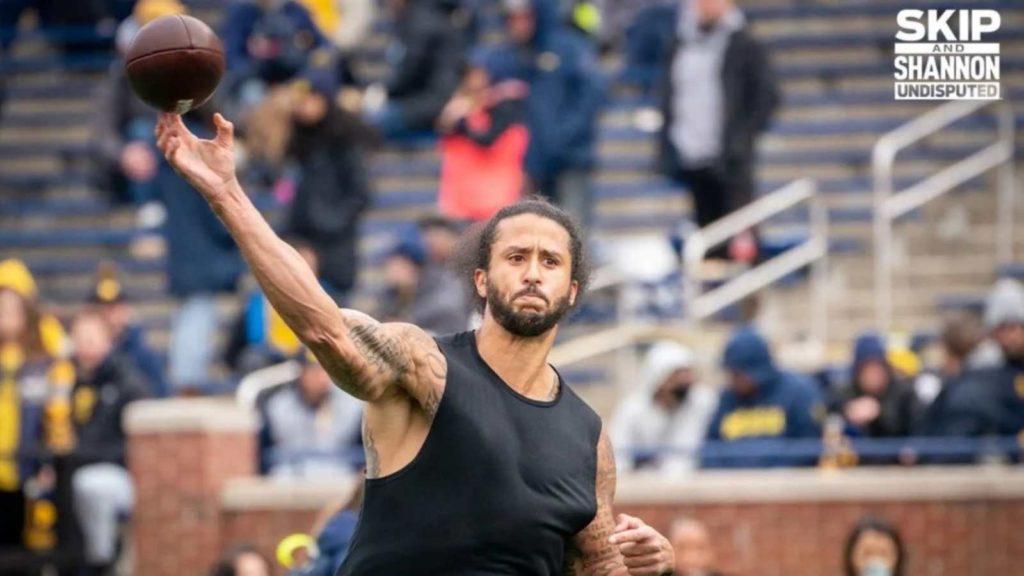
{"x": 890, "y": 204}
{"x": 814, "y": 251}
{"x": 250, "y": 387}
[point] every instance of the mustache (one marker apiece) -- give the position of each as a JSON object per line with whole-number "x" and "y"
{"x": 531, "y": 290}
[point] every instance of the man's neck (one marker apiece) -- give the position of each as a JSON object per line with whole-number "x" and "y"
{"x": 521, "y": 362}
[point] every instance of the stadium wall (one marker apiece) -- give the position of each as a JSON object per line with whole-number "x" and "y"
{"x": 193, "y": 461}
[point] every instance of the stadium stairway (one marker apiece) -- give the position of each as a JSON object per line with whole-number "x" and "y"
{"x": 835, "y": 63}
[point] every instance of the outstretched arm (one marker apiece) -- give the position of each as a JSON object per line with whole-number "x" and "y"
{"x": 607, "y": 548}
{"x": 367, "y": 359}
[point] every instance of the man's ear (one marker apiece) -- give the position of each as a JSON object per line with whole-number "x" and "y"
{"x": 574, "y": 287}
{"x": 480, "y": 283}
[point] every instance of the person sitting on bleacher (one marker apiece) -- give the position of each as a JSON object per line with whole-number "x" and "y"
{"x": 308, "y": 425}
{"x": 425, "y": 57}
{"x": 266, "y": 42}
{"x": 991, "y": 401}
{"x": 125, "y": 159}
{"x": 876, "y": 403}
{"x": 669, "y": 410}
{"x": 101, "y": 487}
{"x": 761, "y": 410}
{"x": 421, "y": 286}
{"x": 109, "y": 300}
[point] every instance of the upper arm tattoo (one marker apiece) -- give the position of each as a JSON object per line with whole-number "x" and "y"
{"x": 381, "y": 351}
{"x": 598, "y": 556}
{"x": 376, "y": 357}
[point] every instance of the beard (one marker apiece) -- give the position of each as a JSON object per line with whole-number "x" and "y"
{"x": 528, "y": 324}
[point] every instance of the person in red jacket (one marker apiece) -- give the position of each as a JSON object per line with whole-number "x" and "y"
{"x": 483, "y": 146}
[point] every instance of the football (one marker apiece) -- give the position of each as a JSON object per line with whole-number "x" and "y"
{"x": 174, "y": 63}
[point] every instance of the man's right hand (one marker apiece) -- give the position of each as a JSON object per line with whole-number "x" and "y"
{"x": 138, "y": 163}
{"x": 208, "y": 165}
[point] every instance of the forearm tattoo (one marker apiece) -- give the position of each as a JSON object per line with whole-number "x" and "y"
{"x": 600, "y": 557}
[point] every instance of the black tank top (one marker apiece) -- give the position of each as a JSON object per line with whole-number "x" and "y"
{"x": 499, "y": 486}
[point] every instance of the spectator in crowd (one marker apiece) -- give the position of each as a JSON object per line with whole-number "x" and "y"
{"x": 203, "y": 263}
{"x": 761, "y": 404}
{"x": 618, "y": 15}
{"x": 99, "y": 15}
{"x": 28, "y": 376}
{"x": 334, "y": 530}
{"x": 875, "y": 403}
{"x": 308, "y": 424}
{"x": 567, "y": 90}
{"x": 130, "y": 346}
{"x": 346, "y": 23}
{"x": 266, "y": 42}
{"x": 102, "y": 488}
{"x": 328, "y": 145}
{"x": 242, "y": 560}
{"x": 484, "y": 144}
{"x": 122, "y": 125}
{"x": 422, "y": 288}
{"x": 17, "y": 278}
{"x": 648, "y": 39}
{"x": 991, "y": 400}
{"x": 721, "y": 95}
{"x": 874, "y": 548}
{"x": 425, "y": 60}
{"x": 695, "y": 555}
{"x": 669, "y": 410}
{"x": 259, "y": 336}
{"x": 964, "y": 347}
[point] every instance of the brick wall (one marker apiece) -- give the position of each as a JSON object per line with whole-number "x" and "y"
{"x": 180, "y": 454}
{"x": 981, "y": 538}
{"x": 193, "y": 464}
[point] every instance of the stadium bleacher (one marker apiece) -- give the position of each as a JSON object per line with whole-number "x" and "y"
{"x": 835, "y": 62}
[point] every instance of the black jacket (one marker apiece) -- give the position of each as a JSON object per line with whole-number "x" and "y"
{"x": 751, "y": 97}
{"x": 98, "y": 403}
{"x": 332, "y": 194}
{"x": 985, "y": 402}
{"x": 426, "y": 60}
{"x": 899, "y": 409}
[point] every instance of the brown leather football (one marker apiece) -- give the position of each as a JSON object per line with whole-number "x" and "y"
{"x": 174, "y": 63}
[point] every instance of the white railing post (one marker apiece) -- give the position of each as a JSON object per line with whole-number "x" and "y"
{"x": 819, "y": 269}
{"x": 890, "y": 204}
{"x": 700, "y": 305}
{"x": 1006, "y": 207}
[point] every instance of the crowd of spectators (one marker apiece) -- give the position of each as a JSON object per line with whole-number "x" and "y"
{"x": 511, "y": 118}
{"x": 975, "y": 389}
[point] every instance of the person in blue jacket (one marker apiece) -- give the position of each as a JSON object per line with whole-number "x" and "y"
{"x": 203, "y": 263}
{"x": 567, "y": 90}
{"x": 762, "y": 408}
{"x": 266, "y": 40}
{"x": 990, "y": 401}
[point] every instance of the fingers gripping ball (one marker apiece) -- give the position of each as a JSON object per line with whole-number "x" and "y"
{"x": 174, "y": 63}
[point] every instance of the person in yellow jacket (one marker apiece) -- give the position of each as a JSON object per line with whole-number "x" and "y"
{"x": 35, "y": 385}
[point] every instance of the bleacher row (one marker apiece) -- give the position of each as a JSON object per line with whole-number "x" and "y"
{"x": 835, "y": 62}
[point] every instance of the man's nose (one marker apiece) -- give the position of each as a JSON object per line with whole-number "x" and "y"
{"x": 532, "y": 274}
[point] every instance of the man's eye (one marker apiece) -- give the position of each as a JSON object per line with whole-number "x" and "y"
{"x": 516, "y": 258}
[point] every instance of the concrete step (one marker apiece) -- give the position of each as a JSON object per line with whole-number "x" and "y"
{"x": 818, "y": 25}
